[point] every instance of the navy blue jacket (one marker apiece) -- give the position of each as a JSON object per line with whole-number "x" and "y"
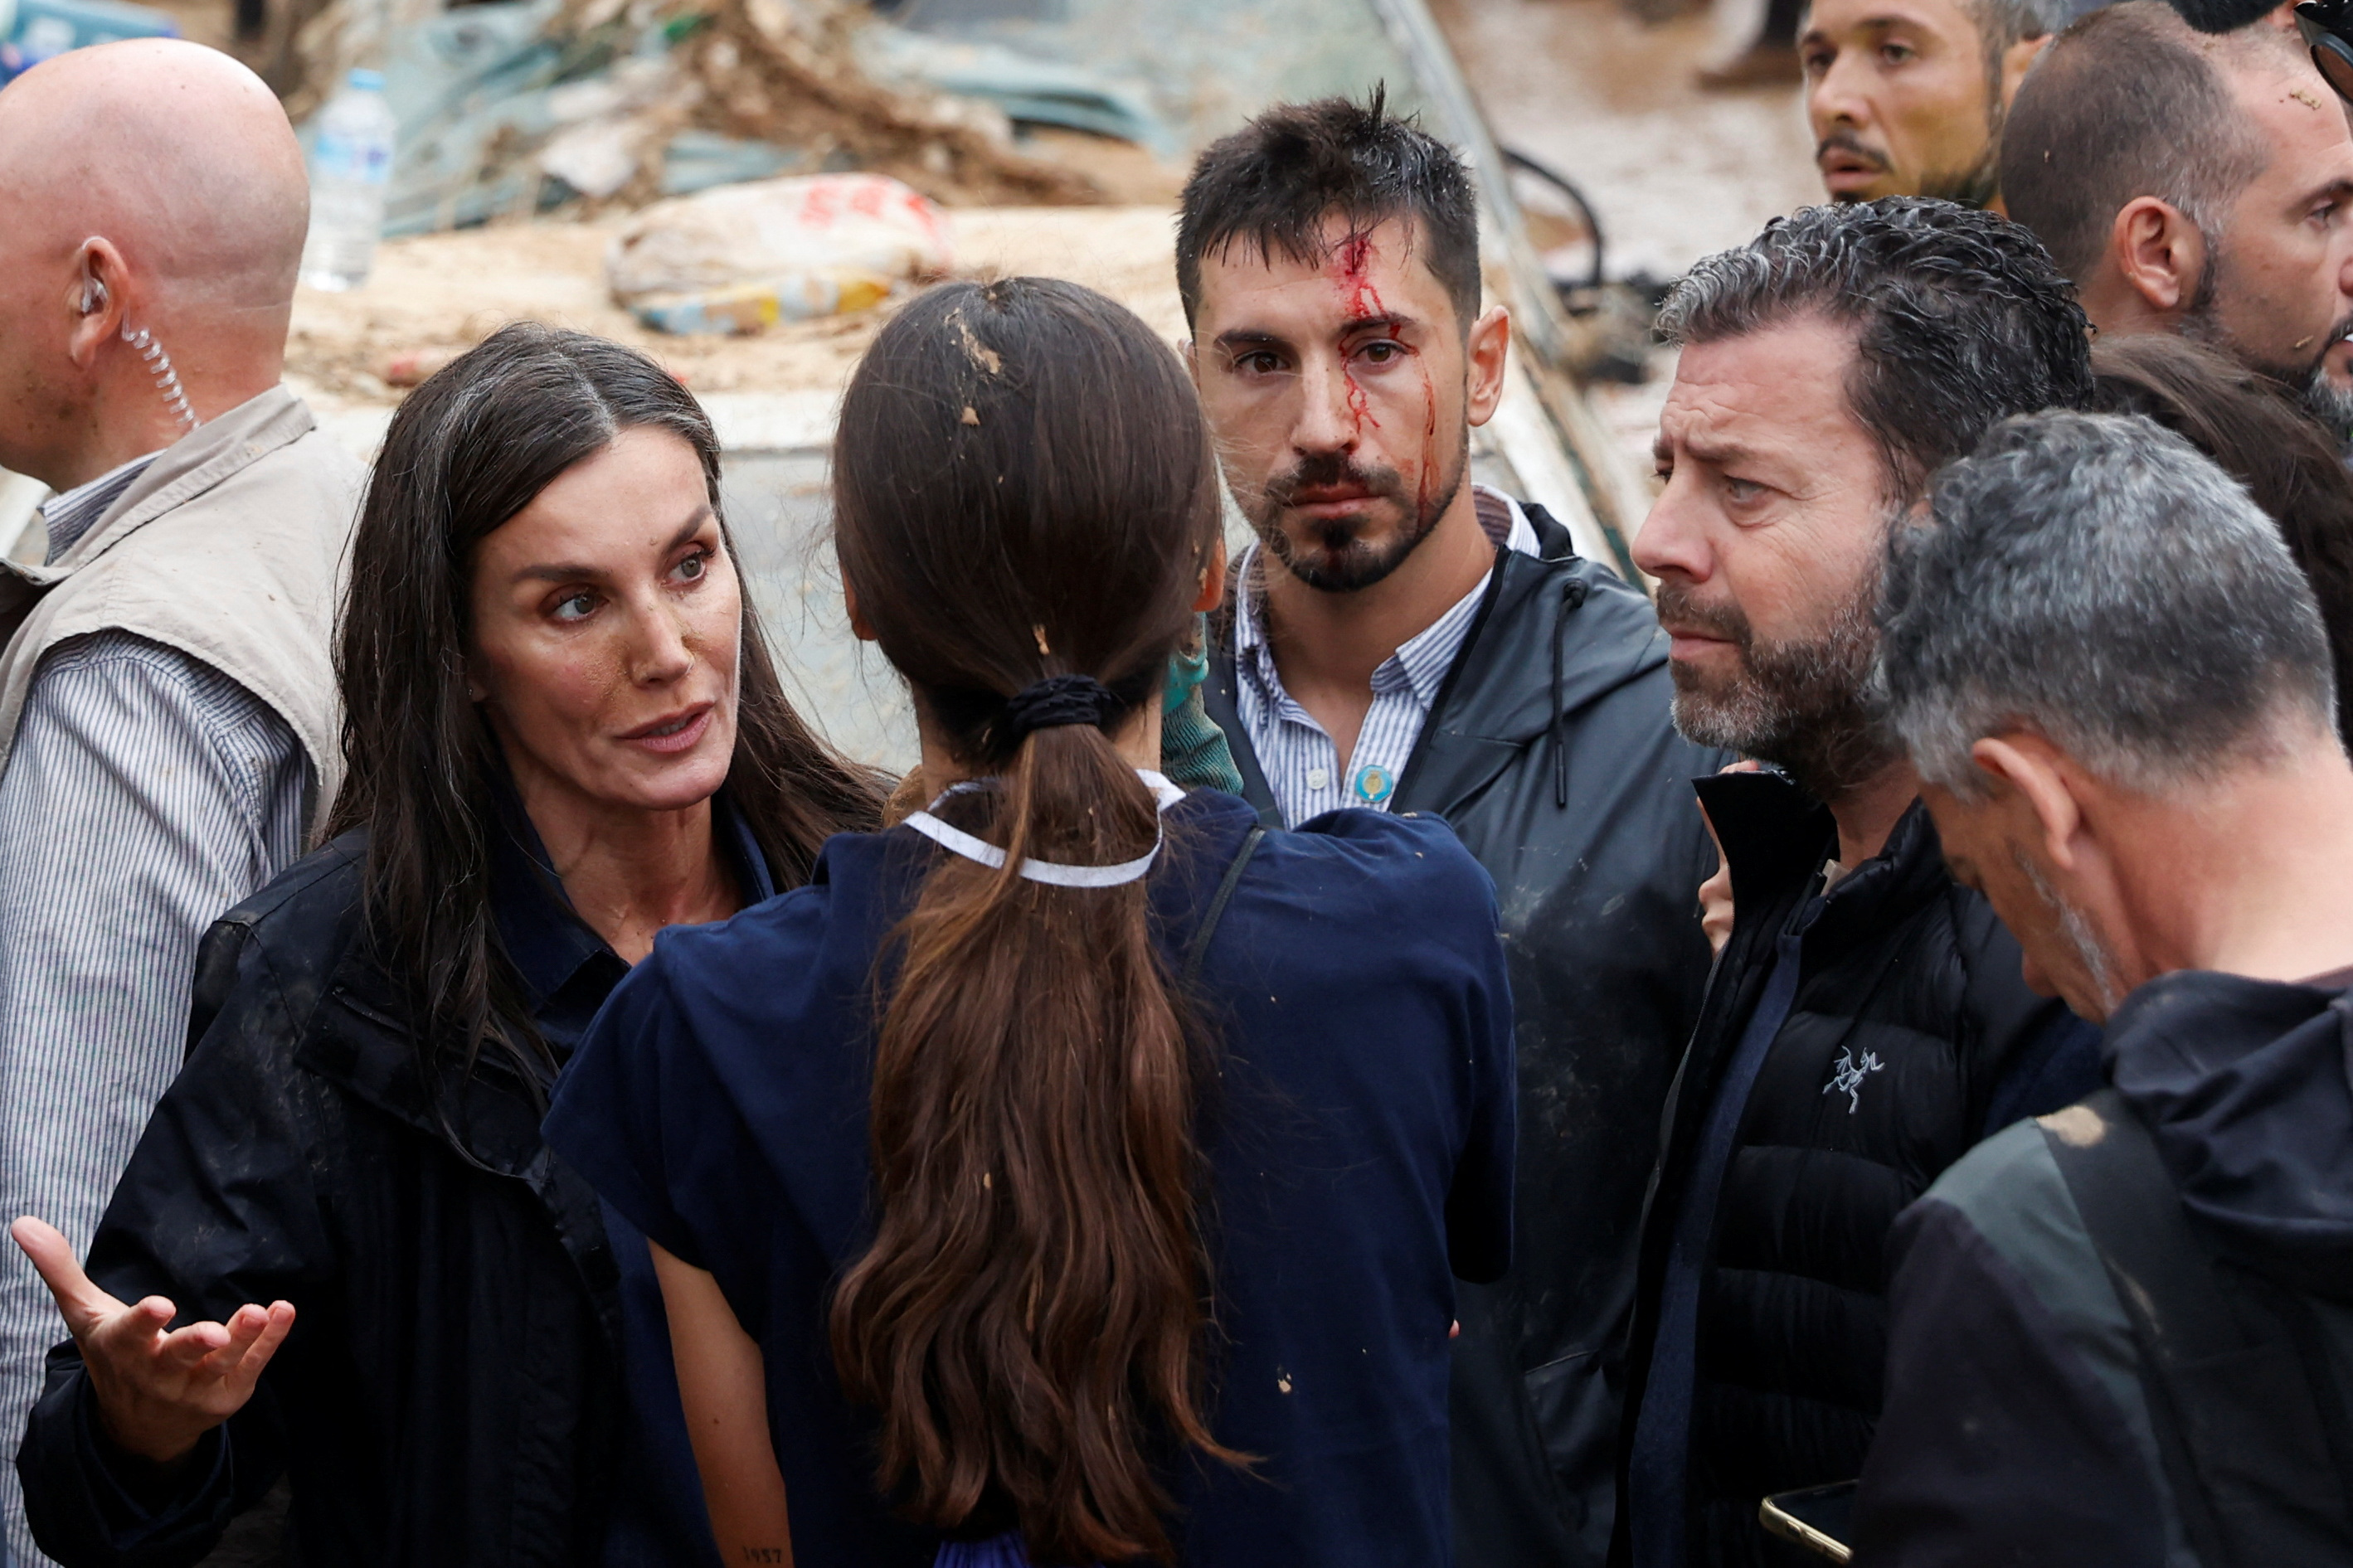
{"x": 1359, "y": 1151}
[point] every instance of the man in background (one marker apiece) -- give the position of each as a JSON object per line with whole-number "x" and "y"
{"x": 1866, "y": 1022}
{"x": 1907, "y": 97}
{"x": 2194, "y": 182}
{"x": 2116, "y": 687}
{"x": 168, "y": 722}
{"x": 1404, "y": 640}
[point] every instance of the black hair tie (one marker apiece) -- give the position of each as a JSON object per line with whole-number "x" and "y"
{"x": 1050, "y": 703}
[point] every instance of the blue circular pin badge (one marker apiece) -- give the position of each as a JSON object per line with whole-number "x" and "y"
{"x": 1373, "y": 784}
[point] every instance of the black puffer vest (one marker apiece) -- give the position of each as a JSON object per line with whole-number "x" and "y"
{"x": 1913, "y": 1035}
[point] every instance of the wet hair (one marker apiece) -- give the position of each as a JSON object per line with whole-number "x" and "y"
{"x": 2130, "y": 102}
{"x": 1961, "y": 320}
{"x": 2002, "y": 23}
{"x": 1273, "y": 184}
{"x": 2092, "y": 578}
{"x": 2256, "y": 432}
{"x": 1024, "y": 488}
{"x": 469, "y": 449}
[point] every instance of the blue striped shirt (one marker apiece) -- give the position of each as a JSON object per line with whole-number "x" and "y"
{"x": 147, "y": 796}
{"x": 1302, "y": 766}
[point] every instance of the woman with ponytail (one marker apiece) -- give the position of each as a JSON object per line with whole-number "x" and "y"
{"x": 1077, "y": 1173}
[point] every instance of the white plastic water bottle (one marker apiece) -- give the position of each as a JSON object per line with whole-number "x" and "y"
{"x": 350, "y": 162}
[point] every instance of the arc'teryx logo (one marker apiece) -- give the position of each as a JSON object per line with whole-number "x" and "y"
{"x": 1847, "y": 1076}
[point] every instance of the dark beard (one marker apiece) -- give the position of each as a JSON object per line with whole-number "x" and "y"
{"x": 2308, "y": 382}
{"x": 1802, "y": 706}
{"x": 1972, "y": 187}
{"x": 1349, "y": 564}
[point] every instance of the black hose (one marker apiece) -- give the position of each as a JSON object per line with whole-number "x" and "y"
{"x": 1567, "y": 188}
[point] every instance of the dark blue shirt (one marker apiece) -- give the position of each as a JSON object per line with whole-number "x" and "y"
{"x": 1661, "y": 1451}
{"x": 1360, "y": 1158}
{"x": 567, "y": 970}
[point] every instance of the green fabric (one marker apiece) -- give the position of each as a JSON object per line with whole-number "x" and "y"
{"x": 1193, "y": 750}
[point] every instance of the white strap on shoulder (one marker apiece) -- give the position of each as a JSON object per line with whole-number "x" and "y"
{"x": 957, "y": 841}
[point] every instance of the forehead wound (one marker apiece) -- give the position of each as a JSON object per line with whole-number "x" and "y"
{"x": 1336, "y": 240}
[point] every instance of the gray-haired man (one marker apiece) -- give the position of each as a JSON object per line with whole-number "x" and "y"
{"x": 2114, "y": 685}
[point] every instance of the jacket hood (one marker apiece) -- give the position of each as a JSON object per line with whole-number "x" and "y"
{"x": 1559, "y": 614}
{"x": 2245, "y": 1084}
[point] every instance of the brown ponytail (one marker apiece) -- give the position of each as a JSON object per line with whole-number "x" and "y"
{"x": 1024, "y": 488}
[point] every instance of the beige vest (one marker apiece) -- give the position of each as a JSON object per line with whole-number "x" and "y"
{"x": 229, "y": 547}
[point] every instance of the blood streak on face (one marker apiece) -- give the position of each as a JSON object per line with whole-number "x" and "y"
{"x": 1363, "y": 302}
{"x": 1425, "y": 482}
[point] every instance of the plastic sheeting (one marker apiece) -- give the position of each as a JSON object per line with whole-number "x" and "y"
{"x": 479, "y": 92}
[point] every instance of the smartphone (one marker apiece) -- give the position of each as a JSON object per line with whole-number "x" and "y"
{"x": 1818, "y": 1519}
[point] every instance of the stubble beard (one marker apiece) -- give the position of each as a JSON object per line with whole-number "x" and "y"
{"x": 1345, "y": 563}
{"x": 2327, "y": 402}
{"x": 1804, "y": 706}
{"x": 1974, "y": 186}
{"x": 2307, "y": 383}
{"x": 2075, "y": 929}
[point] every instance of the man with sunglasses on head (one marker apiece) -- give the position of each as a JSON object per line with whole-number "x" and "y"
{"x": 2195, "y": 182}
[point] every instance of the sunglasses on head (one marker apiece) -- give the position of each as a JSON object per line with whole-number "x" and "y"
{"x": 2327, "y": 29}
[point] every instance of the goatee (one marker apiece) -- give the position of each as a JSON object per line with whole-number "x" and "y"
{"x": 1339, "y": 560}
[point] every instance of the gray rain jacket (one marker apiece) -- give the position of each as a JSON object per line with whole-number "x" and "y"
{"x": 2022, "y": 1424}
{"x": 1551, "y": 753}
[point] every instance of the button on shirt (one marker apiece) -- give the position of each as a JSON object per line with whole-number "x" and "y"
{"x": 1303, "y": 768}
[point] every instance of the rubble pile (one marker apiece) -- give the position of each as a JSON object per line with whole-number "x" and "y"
{"x": 785, "y": 71}
{"x": 510, "y": 108}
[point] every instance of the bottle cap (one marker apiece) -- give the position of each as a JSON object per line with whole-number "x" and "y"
{"x": 363, "y": 79}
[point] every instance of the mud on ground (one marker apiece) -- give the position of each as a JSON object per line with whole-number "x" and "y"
{"x": 434, "y": 296}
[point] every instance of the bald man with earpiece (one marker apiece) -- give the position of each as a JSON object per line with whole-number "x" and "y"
{"x": 168, "y": 713}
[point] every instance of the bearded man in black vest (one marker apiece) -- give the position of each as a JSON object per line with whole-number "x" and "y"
{"x": 1403, "y": 640}
{"x": 1867, "y": 1022}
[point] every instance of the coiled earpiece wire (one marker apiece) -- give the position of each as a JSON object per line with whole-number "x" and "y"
{"x": 159, "y": 369}
{"x": 90, "y": 299}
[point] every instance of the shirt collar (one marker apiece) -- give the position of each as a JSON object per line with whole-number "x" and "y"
{"x": 69, "y": 516}
{"x": 1422, "y": 658}
{"x": 565, "y": 967}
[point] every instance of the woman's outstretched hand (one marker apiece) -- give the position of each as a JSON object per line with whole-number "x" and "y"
{"x": 159, "y": 1389}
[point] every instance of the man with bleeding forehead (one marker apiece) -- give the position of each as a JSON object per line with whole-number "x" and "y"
{"x": 1400, "y": 639}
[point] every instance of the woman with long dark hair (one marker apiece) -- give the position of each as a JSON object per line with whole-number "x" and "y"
{"x": 563, "y": 733}
{"x": 1077, "y": 1171}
